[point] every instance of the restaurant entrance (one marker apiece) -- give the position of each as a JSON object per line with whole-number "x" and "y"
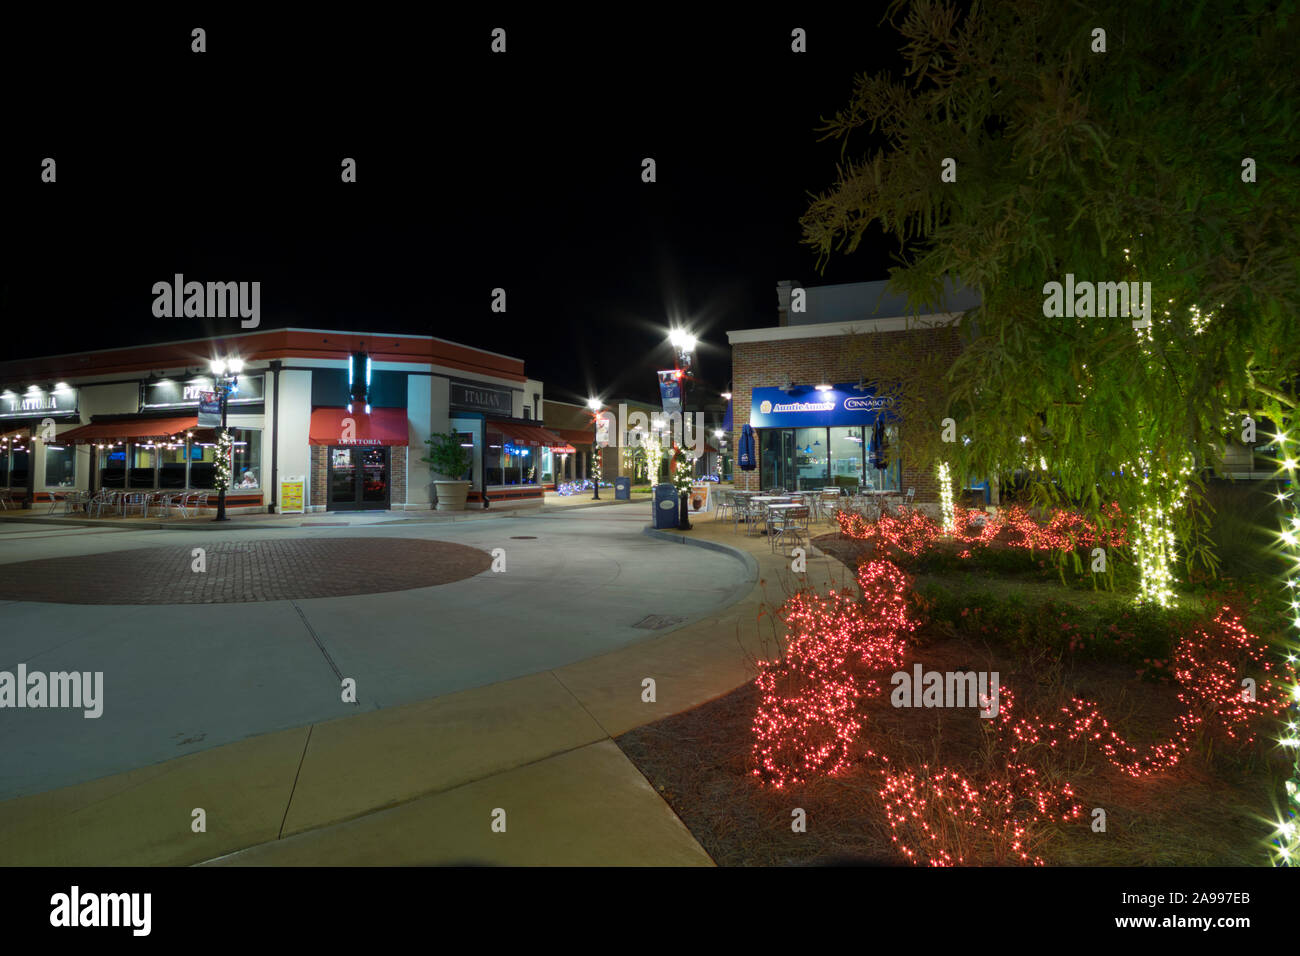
{"x": 358, "y": 479}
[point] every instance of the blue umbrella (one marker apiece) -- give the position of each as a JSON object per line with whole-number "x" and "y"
{"x": 745, "y": 453}
{"x": 878, "y": 446}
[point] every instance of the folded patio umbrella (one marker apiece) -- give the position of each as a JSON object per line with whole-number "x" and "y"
{"x": 878, "y": 446}
{"x": 745, "y": 453}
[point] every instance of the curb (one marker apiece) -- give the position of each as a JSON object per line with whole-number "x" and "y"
{"x": 745, "y": 558}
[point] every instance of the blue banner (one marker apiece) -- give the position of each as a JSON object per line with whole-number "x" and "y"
{"x": 806, "y": 407}
{"x": 670, "y": 391}
{"x": 209, "y": 410}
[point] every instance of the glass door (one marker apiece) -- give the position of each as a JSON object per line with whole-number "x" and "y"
{"x": 358, "y": 479}
{"x": 342, "y": 480}
{"x": 372, "y": 467}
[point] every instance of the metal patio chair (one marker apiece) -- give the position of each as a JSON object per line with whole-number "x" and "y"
{"x": 788, "y": 525}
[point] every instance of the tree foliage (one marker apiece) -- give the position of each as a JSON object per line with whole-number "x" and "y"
{"x": 1123, "y": 165}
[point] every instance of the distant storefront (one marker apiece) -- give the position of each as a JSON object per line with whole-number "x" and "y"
{"x": 802, "y": 390}
{"x": 346, "y": 414}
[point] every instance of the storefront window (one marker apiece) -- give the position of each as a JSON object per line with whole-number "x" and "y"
{"x": 549, "y": 460}
{"x": 847, "y": 455}
{"x": 810, "y": 459}
{"x": 171, "y": 466}
{"x": 60, "y": 466}
{"x": 203, "y": 459}
{"x": 890, "y": 477}
{"x": 18, "y": 468}
{"x": 776, "y": 457}
{"x": 806, "y": 459}
{"x": 144, "y": 459}
{"x": 112, "y": 466}
{"x": 246, "y": 467}
{"x": 519, "y": 464}
{"x": 494, "y": 456}
{"x": 4, "y": 464}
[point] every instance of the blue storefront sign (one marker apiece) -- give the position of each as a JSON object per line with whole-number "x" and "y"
{"x": 809, "y": 408}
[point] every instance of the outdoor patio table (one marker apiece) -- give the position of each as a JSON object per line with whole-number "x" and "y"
{"x": 766, "y": 501}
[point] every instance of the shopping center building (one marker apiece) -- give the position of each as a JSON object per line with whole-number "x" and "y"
{"x": 802, "y": 385}
{"x": 345, "y": 414}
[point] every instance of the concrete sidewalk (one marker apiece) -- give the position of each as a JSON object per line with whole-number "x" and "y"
{"x": 422, "y": 783}
{"x": 260, "y": 521}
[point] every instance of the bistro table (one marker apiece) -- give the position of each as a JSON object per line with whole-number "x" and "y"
{"x": 766, "y": 501}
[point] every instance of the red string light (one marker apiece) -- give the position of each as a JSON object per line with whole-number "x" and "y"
{"x": 912, "y": 532}
{"x": 840, "y": 650}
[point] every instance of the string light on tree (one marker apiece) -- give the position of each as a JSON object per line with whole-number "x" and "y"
{"x": 945, "y": 494}
{"x": 1285, "y": 842}
{"x": 225, "y": 448}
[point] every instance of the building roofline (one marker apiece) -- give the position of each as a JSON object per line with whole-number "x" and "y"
{"x": 255, "y": 332}
{"x": 832, "y": 329}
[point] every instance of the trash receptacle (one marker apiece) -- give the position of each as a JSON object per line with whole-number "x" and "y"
{"x": 665, "y": 504}
{"x": 622, "y": 489}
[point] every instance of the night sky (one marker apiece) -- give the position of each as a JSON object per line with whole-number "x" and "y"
{"x": 474, "y": 171}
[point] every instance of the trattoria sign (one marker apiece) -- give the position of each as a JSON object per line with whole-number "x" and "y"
{"x": 60, "y": 401}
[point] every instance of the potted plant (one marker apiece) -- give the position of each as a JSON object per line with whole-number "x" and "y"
{"x": 448, "y": 462}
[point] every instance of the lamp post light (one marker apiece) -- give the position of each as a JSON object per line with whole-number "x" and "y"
{"x": 595, "y": 405}
{"x": 684, "y": 343}
{"x": 225, "y": 376}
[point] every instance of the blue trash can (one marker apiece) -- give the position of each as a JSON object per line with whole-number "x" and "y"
{"x": 665, "y": 506}
{"x": 622, "y": 489}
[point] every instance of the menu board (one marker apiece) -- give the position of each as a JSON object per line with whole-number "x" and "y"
{"x": 291, "y": 493}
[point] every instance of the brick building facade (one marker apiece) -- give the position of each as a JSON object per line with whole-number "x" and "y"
{"x": 819, "y": 349}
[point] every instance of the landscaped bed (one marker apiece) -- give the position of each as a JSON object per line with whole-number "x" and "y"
{"x": 959, "y": 788}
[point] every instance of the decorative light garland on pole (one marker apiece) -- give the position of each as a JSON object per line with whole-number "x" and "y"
{"x": 1285, "y": 843}
{"x": 945, "y": 496}
{"x": 682, "y": 469}
{"x": 225, "y": 447}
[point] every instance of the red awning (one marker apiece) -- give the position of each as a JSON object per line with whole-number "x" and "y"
{"x": 338, "y": 426}
{"x": 132, "y": 429}
{"x": 575, "y": 436}
{"x": 531, "y": 435}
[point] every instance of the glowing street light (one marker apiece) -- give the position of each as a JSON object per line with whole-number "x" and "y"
{"x": 595, "y": 405}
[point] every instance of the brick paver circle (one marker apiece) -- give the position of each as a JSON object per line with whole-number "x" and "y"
{"x": 242, "y": 571}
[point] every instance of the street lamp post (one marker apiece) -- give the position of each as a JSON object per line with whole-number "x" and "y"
{"x": 684, "y": 343}
{"x": 225, "y": 376}
{"x": 595, "y": 405}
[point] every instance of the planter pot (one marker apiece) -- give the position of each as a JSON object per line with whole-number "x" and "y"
{"x": 452, "y": 494}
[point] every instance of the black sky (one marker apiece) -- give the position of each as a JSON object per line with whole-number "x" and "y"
{"x": 475, "y": 171}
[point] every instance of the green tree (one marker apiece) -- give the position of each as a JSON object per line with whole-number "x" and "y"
{"x": 1153, "y": 142}
{"x": 1123, "y": 165}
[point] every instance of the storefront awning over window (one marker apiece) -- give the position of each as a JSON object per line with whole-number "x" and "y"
{"x": 532, "y": 435}
{"x": 338, "y": 426}
{"x": 574, "y": 436}
{"x": 132, "y": 429}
